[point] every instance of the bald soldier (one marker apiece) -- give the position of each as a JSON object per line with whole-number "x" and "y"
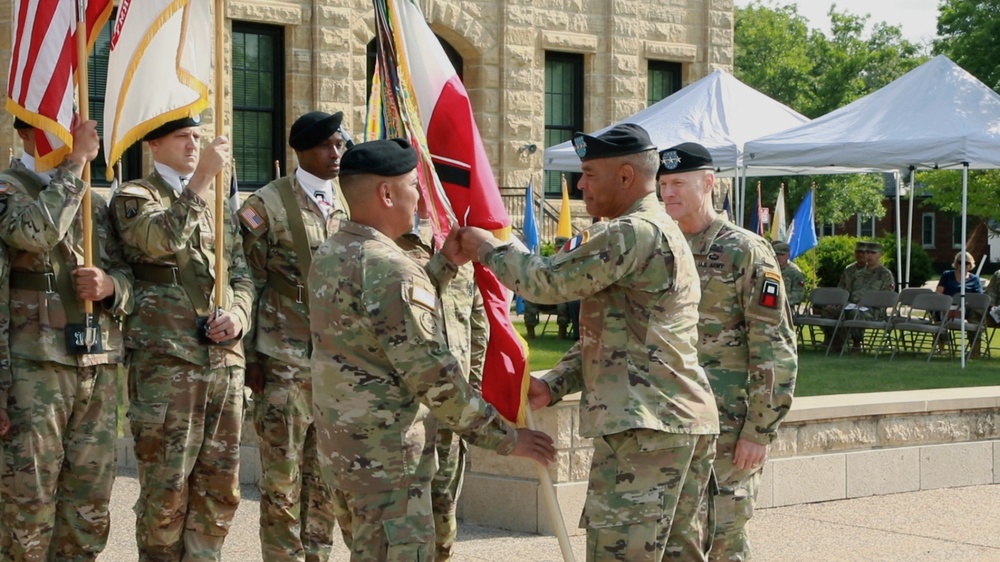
{"x": 747, "y": 344}
{"x": 283, "y": 223}
{"x": 60, "y": 392}
{"x": 185, "y": 377}
{"x": 383, "y": 374}
{"x": 646, "y": 403}
{"x": 791, "y": 274}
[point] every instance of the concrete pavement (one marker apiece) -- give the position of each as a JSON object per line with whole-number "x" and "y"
{"x": 932, "y": 525}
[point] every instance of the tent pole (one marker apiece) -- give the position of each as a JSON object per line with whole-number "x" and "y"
{"x": 965, "y": 266}
{"x": 909, "y": 225}
{"x": 899, "y": 240}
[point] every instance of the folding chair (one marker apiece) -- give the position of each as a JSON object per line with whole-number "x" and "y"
{"x": 926, "y": 317}
{"x": 977, "y": 305}
{"x": 875, "y": 330}
{"x": 828, "y": 298}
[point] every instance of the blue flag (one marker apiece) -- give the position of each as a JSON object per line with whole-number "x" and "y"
{"x": 727, "y": 207}
{"x": 530, "y": 230}
{"x": 802, "y": 232}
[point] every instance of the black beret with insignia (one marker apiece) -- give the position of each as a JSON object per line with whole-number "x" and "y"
{"x": 171, "y": 126}
{"x": 313, "y": 128}
{"x": 386, "y": 157}
{"x": 21, "y": 124}
{"x": 685, "y": 157}
{"x": 620, "y": 140}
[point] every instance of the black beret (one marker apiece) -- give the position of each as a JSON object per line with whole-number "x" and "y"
{"x": 313, "y": 128}
{"x": 21, "y": 124}
{"x": 619, "y": 140}
{"x": 685, "y": 157}
{"x": 171, "y": 126}
{"x": 386, "y": 157}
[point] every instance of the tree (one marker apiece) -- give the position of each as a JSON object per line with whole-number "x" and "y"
{"x": 771, "y": 53}
{"x": 945, "y": 189}
{"x": 969, "y": 33}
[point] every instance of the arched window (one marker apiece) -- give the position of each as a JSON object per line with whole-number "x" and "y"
{"x": 453, "y": 56}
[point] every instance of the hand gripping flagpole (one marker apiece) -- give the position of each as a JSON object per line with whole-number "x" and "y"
{"x": 221, "y": 194}
{"x": 86, "y": 207}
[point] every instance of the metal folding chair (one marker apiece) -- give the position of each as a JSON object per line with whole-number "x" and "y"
{"x": 925, "y": 318}
{"x": 977, "y": 305}
{"x": 830, "y": 299}
{"x": 873, "y": 331}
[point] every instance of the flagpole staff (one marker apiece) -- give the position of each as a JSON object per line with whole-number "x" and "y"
{"x": 551, "y": 502}
{"x": 277, "y": 169}
{"x": 220, "y": 197}
{"x": 86, "y": 207}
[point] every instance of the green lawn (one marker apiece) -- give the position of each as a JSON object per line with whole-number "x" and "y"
{"x": 819, "y": 375}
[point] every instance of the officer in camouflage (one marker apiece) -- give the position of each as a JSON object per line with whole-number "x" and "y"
{"x": 795, "y": 280}
{"x": 59, "y": 458}
{"x": 381, "y": 365}
{"x": 283, "y": 222}
{"x": 467, "y": 332}
{"x": 747, "y": 344}
{"x": 646, "y": 403}
{"x": 185, "y": 359}
{"x": 872, "y": 277}
{"x": 846, "y": 281}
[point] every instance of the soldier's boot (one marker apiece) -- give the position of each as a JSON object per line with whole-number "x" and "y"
{"x": 562, "y": 331}
{"x": 531, "y": 332}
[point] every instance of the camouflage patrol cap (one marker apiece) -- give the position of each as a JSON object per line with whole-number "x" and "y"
{"x": 873, "y": 247}
{"x": 781, "y": 248}
{"x": 860, "y": 246}
{"x": 386, "y": 157}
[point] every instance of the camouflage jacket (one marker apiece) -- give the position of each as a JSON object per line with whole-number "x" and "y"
{"x": 281, "y": 324}
{"x": 865, "y": 279}
{"x": 466, "y": 326}
{"x": 747, "y": 344}
{"x": 381, "y": 365}
{"x": 795, "y": 284}
{"x": 847, "y": 277}
{"x": 32, "y": 229}
{"x": 6, "y": 376}
{"x": 636, "y": 360}
{"x": 153, "y": 229}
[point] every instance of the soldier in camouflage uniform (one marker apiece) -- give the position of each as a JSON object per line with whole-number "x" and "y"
{"x": 467, "y": 334}
{"x": 846, "y": 281}
{"x": 747, "y": 344}
{"x": 646, "y": 403}
{"x": 185, "y": 359}
{"x": 872, "y": 277}
{"x": 282, "y": 220}
{"x": 59, "y": 458}
{"x": 795, "y": 280}
{"x": 381, "y": 365}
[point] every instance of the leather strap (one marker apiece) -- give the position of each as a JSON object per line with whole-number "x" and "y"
{"x": 31, "y": 281}
{"x": 158, "y": 274}
{"x": 281, "y": 285}
{"x": 300, "y": 241}
{"x": 185, "y": 272}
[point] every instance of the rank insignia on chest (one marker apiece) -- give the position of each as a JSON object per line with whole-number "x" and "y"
{"x": 576, "y": 242}
{"x": 769, "y": 292}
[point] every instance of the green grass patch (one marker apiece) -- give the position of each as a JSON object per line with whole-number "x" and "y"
{"x": 819, "y": 375}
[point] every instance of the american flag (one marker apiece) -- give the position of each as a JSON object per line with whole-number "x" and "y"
{"x": 43, "y": 60}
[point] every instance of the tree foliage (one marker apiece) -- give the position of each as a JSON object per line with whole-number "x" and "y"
{"x": 814, "y": 74}
{"x": 945, "y": 190}
{"x": 969, "y": 34}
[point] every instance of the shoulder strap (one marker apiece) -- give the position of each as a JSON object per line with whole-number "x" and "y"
{"x": 286, "y": 189}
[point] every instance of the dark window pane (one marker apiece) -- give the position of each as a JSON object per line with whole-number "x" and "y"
{"x": 664, "y": 79}
{"x": 563, "y": 111}
{"x": 258, "y": 102}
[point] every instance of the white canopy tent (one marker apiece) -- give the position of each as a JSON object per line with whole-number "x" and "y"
{"x": 719, "y": 112}
{"x": 935, "y": 116}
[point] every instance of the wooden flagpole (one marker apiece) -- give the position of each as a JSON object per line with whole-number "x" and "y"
{"x": 551, "y": 501}
{"x": 277, "y": 169}
{"x": 86, "y": 207}
{"x": 221, "y": 192}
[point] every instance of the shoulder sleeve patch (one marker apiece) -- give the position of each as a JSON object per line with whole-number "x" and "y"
{"x": 769, "y": 292}
{"x": 423, "y": 297}
{"x": 251, "y": 219}
{"x": 134, "y": 190}
{"x": 577, "y": 241}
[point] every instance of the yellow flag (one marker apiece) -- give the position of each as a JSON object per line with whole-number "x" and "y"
{"x": 565, "y": 228}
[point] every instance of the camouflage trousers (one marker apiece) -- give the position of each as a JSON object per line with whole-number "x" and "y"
{"x": 734, "y": 503}
{"x": 392, "y": 526}
{"x": 186, "y": 420}
{"x": 59, "y": 461}
{"x": 649, "y": 498}
{"x": 297, "y": 516}
{"x": 445, "y": 488}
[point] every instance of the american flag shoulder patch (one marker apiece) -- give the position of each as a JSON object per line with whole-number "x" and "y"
{"x": 251, "y": 220}
{"x": 577, "y": 241}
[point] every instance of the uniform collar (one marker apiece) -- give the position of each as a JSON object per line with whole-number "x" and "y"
{"x": 366, "y": 231}
{"x": 171, "y": 176}
{"x": 311, "y": 184}
{"x": 28, "y": 161}
{"x": 702, "y": 241}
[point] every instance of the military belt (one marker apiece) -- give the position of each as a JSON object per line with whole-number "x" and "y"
{"x": 158, "y": 274}
{"x": 281, "y": 285}
{"x": 44, "y": 282}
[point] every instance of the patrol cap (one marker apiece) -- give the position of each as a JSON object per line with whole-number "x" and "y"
{"x": 873, "y": 246}
{"x": 685, "y": 157}
{"x": 313, "y": 128}
{"x": 781, "y": 247}
{"x": 620, "y": 140}
{"x": 21, "y": 124}
{"x": 171, "y": 126}
{"x": 386, "y": 157}
{"x": 860, "y": 246}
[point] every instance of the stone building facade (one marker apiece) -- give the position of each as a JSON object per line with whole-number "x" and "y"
{"x": 503, "y": 45}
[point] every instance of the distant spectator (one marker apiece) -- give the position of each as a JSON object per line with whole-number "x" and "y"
{"x": 951, "y": 280}
{"x": 794, "y": 279}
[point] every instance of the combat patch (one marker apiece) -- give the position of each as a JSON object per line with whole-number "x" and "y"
{"x": 769, "y": 291}
{"x": 131, "y": 208}
{"x": 576, "y": 242}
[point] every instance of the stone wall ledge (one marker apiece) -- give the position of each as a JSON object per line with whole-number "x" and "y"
{"x": 839, "y": 406}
